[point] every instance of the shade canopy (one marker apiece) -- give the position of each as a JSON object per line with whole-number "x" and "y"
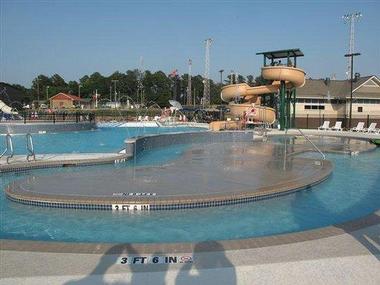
{"x": 282, "y": 53}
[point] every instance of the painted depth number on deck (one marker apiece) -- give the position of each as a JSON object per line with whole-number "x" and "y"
{"x": 155, "y": 259}
{"x": 130, "y": 207}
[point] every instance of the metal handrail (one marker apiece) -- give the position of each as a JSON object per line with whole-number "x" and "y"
{"x": 318, "y": 150}
{"x": 8, "y": 147}
{"x": 30, "y": 147}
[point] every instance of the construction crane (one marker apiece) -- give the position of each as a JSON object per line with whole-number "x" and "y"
{"x": 206, "y": 79}
{"x": 189, "y": 99}
{"x": 351, "y": 19}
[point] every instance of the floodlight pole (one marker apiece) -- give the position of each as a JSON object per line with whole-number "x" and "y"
{"x": 352, "y": 76}
{"x": 221, "y": 76}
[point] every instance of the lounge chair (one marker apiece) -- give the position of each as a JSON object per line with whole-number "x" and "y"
{"x": 325, "y": 126}
{"x": 338, "y": 126}
{"x": 359, "y": 127}
{"x": 371, "y": 128}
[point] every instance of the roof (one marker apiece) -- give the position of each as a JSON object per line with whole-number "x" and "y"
{"x": 282, "y": 53}
{"x": 64, "y": 96}
{"x": 316, "y": 88}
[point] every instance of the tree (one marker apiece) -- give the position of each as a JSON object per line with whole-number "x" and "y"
{"x": 72, "y": 87}
{"x": 215, "y": 90}
{"x": 240, "y": 79}
{"x": 159, "y": 88}
{"x": 58, "y": 81}
{"x": 261, "y": 81}
{"x": 250, "y": 80}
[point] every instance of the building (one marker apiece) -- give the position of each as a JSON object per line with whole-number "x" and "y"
{"x": 325, "y": 99}
{"x": 68, "y": 101}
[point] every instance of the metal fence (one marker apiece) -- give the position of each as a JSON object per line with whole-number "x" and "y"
{"x": 53, "y": 117}
{"x": 313, "y": 122}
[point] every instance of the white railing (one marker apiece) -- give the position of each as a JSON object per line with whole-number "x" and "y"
{"x": 30, "y": 147}
{"x": 8, "y": 148}
{"x": 315, "y": 147}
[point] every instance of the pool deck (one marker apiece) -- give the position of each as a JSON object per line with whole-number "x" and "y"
{"x": 346, "y": 134}
{"x": 347, "y": 253}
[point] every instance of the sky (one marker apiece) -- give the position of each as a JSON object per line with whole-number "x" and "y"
{"x": 75, "y": 38}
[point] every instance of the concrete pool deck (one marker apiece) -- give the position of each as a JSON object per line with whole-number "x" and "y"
{"x": 348, "y": 253}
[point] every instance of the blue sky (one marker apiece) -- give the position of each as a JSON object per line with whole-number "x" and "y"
{"x": 74, "y": 38}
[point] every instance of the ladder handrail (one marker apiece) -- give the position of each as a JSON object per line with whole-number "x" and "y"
{"x": 318, "y": 150}
{"x": 30, "y": 147}
{"x": 8, "y": 147}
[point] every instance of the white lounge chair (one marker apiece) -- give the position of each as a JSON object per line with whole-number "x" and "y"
{"x": 359, "y": 127}
{"x": 325, "y": 126}
{"x": 371, "y": 128}
{"x": 338, "y": 126}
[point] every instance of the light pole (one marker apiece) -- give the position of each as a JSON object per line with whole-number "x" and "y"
{"x": 352, "y": 75}
{"x": 47, "y": 93}
{"x": 221, "y": 76}
{"x": 79, "y": 87}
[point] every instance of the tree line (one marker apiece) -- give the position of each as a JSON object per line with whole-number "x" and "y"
{"x": 156, "y": 86}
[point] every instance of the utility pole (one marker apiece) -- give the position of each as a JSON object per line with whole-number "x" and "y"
{"x": 351, "y": 55}
{"x": 114, "y": 82}
{"x": 206, "y": 90}
{"x": 79, "y": 87}
{"x": 221, "y": 76}
{"x": 351, "y": 19}
{"x": 189, "y": 84}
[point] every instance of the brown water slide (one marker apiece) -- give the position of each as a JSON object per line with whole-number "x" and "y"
{"x": 294, "y": 77}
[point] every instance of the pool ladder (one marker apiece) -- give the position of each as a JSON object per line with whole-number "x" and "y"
{"x": 30, "y": 147}
{"x": 8, "y": 147}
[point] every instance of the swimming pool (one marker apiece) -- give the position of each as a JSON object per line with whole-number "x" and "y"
{"x": 97, "y": 140}
{"x": 351, "y": 192}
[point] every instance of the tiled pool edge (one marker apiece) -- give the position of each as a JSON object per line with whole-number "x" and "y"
{"x": 205, "y": 246}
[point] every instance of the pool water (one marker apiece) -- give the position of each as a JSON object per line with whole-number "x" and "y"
{"x": 352, "y": 191}
{"x": 98, "y": 140}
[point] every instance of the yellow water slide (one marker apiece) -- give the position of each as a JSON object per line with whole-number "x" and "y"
{"x": 293, "y": 77}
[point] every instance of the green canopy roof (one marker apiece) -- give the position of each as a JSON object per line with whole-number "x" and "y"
{"x": 282, "y": 53}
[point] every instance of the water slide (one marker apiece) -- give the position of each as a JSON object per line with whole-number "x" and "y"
{"x": 293, "y": 77}
{"x": 6, "y": 109}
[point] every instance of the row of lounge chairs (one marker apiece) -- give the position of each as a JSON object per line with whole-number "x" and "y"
{"x": 359, "y": 128}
